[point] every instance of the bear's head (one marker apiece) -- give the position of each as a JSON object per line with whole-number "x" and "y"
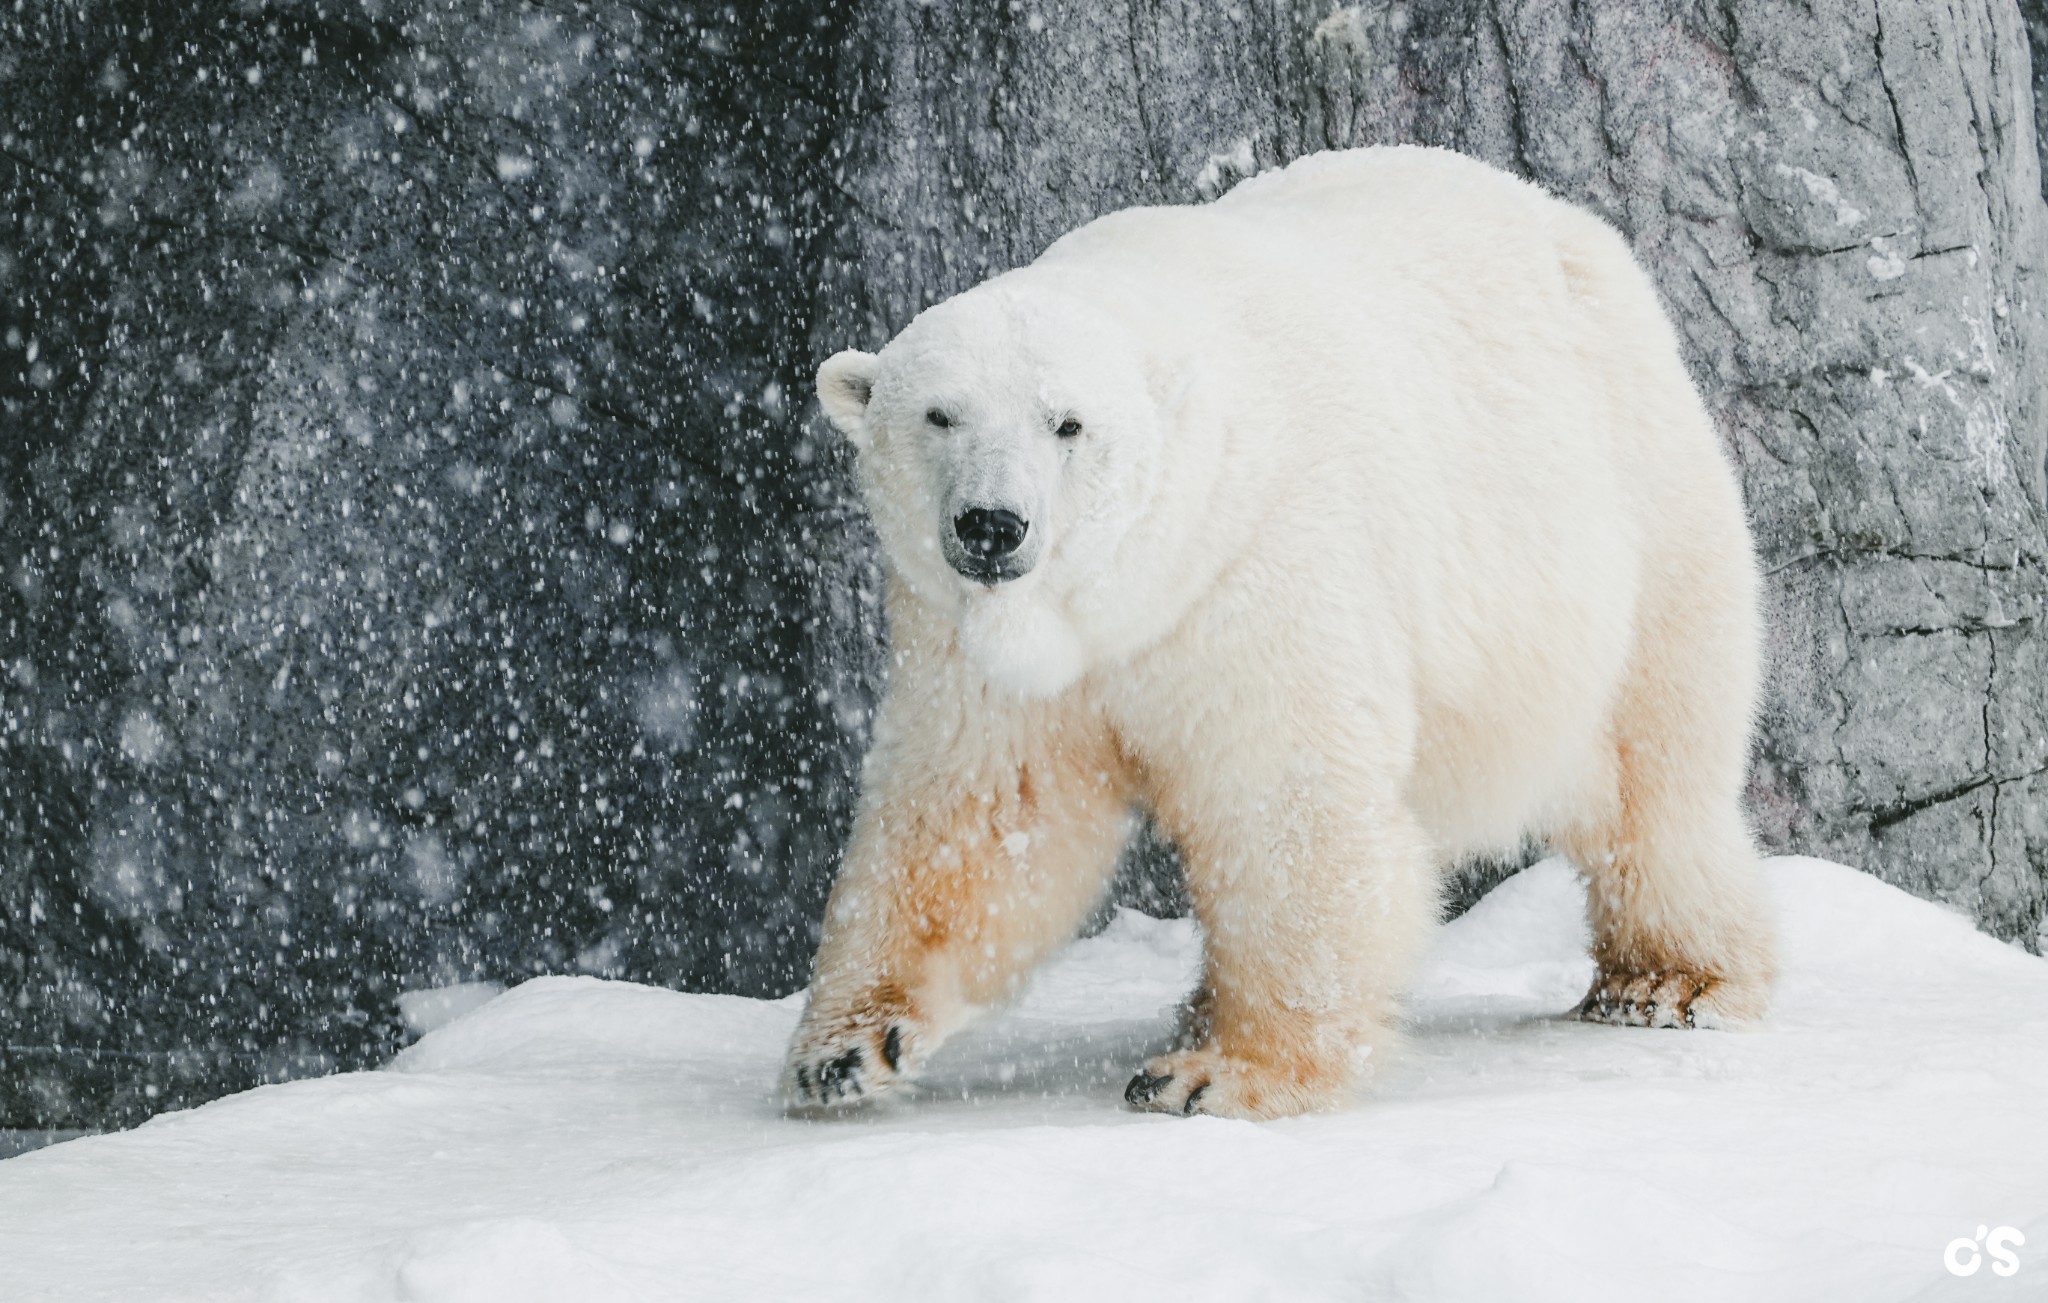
{"x": 1011, "y": 445}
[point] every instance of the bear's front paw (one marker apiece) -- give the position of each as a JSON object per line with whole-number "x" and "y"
{"x": 845, "y": 1060}
{"x": 1208, "y": 1081}
{"x": 1671, "y": 998}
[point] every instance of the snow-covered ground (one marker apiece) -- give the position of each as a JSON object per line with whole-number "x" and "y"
{"x": 583, "y": 1140}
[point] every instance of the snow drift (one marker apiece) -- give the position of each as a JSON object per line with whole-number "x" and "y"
{"x": 576, "y": 1139}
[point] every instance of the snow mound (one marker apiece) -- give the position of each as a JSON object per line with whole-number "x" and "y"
{"x": 576, "y": 1139}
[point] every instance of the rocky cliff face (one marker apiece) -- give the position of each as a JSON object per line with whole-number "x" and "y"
{"x": 421, "y": 564}
{"x": 408, "y": 533}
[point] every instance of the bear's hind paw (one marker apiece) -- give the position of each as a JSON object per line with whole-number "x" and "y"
{"x": 1670, "y": 998}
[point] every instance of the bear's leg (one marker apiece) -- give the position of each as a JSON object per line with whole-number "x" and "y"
{"x": 1681, "y": 933}
{"x": 958, "y": 881}
{"x": 1313, "y": 914}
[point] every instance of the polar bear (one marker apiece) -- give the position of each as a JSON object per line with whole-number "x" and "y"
{"x": 1359, "y": 522}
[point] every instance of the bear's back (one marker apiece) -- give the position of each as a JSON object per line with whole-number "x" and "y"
{"x": 1387, "y": 207}
{"x": 1387, "y": 180}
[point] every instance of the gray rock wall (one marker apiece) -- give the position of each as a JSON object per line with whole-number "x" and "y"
{"x": 1840, "y": 202}
{"x": 410, "y": 550}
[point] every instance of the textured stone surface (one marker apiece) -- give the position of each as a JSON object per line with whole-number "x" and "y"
{"x": 407, "y": 543}
{"x": 1839, "y": 201}
{"x": 426, "y": 370}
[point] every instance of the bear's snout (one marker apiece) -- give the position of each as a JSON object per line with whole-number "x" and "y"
{"x": 989, "y": 538}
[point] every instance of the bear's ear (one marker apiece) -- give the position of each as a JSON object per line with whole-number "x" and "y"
{"x": 845, "y": 383}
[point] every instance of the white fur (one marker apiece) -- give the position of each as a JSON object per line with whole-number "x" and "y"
{"x": 1395, "y": 533}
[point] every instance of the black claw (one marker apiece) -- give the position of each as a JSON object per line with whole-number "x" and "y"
{"x": 803, "y": 1081}
{"x": 840, "y": 1075}
{"x": 1686, "y": 1005}
{"x": 892, "y": 1046}
{"x": 1187, "y": 1109}
{"x": 1144, "y": 1086}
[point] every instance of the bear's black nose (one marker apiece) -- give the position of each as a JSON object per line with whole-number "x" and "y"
{"x": 990, "y": 533}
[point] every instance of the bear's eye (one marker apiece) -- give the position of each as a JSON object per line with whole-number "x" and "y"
{"x": 1069, "y": 428}
{"x": 939, "y": 419}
